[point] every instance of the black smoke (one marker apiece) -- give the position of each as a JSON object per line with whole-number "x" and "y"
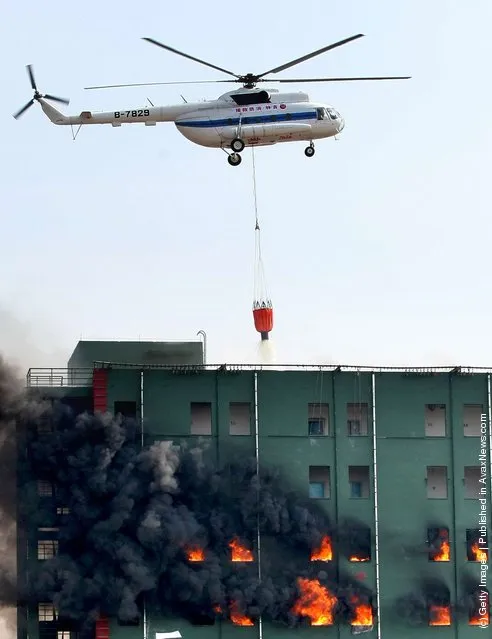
{"x": 469, "y": 602}
{"x": 418, "y": 608}
{"x": 133, "y": 513}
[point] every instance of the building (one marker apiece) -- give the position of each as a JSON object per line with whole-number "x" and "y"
{"x": 406, "y": 453}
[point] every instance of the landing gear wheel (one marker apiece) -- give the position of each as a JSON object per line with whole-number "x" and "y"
{"x": 237, "y": 145}
{"x": 309, "y": 151}
{"x": 234, "y": 159}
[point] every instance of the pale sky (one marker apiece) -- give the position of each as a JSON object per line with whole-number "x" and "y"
{"x": 377, "y": 250}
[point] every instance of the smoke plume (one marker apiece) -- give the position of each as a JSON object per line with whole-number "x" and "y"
{"x": 128, "y": 518}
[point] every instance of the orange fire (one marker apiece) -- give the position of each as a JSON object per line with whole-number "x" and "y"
{"x": 478, "y": 553}
{"x": 324, "y": 552}
{"x": 217, "y": 609}
{"x": 444, "y": 553}
{"x": 315, "y": 602}
{"x": 354, "y": 558}
{"x": 195, "y": 554}
{"x": 240, "y": 553}
{"x": 363, "y": 615}
{"x": 440, "y": 616}
{"x": 237, "y": 618}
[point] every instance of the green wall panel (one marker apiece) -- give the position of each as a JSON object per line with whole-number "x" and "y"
{"x": 403, "y": 453}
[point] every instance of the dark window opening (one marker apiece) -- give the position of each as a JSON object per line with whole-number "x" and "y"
{"x": 359, "y": 545}
{"x": 201, "y": 418}
{"x": 359, "y": 482}
{"x": 126, "y": 409}
{"x": 473, "y": 486}
{"x": 438, "y": 544}
{"x": 479, "y": 607}
{"x": 476, "y": 544}
{"x": 319, "y": 482}
{"x": 357, "y": 420}
{"x": 318, "y": 420}
{"x": 438, "y": 603}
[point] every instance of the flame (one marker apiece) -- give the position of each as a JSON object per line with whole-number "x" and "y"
{"x": 315, "y": 602}
{"x": 440, "y": 616}
{"x": 324, "y": 552}
{"x": 237, "y": 618}
{"x": 195, "y": 554}
{"x": 478, "y": 553}
{"x": 444, "y": 553}
{"x": 217, "y": 609}
{"x": 240, "y": 553}
{"x": 363, "y": 615}
{"x": 354, "y": 558}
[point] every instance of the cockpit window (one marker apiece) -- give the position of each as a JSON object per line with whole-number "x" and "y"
{"x": 332, "y": 113}
{"x": 321, "y": 114}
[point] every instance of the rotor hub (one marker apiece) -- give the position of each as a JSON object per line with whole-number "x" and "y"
{"x": 249, "y": 80}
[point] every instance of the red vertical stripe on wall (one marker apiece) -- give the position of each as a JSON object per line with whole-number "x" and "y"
{"x": 102, "y": 628}
{"x": 100, "y": 389}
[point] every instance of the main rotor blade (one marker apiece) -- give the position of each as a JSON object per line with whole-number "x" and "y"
{"x": 30, "y": 73}
{"x": 190, "y": 57}
{"x": 287, "y": 65}
{"x": 150, "y": 84}
{"x": 395, "y": 77}
{"x": 24, "y": 108}
{"x": 53, "y": 97}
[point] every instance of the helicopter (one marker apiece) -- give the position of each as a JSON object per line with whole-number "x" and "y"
{"x": 249, "y": 116}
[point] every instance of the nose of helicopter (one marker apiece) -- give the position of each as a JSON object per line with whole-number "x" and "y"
{"x": 341, "y": 123}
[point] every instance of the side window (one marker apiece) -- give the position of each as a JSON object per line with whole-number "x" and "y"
{"x": 320, "y": 114}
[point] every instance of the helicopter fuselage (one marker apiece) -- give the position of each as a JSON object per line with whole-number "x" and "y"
{"x": 258, "y": 118}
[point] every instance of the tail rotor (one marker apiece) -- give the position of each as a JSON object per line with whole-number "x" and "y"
{"x": 37, "y": 95}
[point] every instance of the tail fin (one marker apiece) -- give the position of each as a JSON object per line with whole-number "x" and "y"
{"x": 53, "y": 114}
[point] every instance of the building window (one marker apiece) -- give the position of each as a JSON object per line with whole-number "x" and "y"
{"x": 357, "y": 420}
{"x": 47, "y": 548}
{"x": 318, "y": 420}
{"x": 201, "y": 418}
{"x": 239, "y": 418}
{"x": 438, "y": 543}
{"x": 476, "y": 545}
{"x": 359, "y": 482}
{"x": 479, "y": 610}
{"x": 46, "y": 612}
{"x": 126, "y": 409}
{"x": 63, "y": 634}
{"x": 472, "y": 482}
{"x": 437, "y": 482}
{"x": 359, "y": 546}
{"x": 472, "y": 416}
{"x": 45, "y": 488}
{"x": 319, "y": 482}
{"x": 435, "y": 420}
{"x": 63, "y": 510}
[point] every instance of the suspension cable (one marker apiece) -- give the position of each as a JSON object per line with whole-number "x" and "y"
{"x": 260, "y": 287}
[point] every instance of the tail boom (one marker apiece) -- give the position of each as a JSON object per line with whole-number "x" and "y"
{"x": 148, "y": 116}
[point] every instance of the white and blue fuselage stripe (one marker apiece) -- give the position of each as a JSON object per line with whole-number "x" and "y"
{"x": 248, "y": 119}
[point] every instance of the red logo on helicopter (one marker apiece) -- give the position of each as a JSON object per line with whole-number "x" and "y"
{"x": 282, "y": 106}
